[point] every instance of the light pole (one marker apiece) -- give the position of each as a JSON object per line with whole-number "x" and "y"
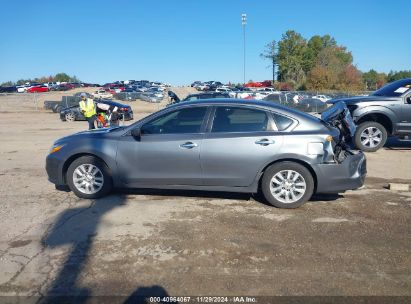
{"x": 244, "y": 23}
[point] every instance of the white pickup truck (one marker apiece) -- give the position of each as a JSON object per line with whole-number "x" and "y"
{"x": 102, "y": 94}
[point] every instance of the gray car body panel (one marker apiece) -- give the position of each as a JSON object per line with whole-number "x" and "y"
{"x": 220, "y": 162}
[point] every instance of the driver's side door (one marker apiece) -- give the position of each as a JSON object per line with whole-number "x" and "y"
{"x": 168, "y": 151}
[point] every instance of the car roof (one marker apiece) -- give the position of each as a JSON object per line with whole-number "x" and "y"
{"x": 231, "y": 101}
{"x": 113, "y": 103}
{"x": 246, "y": 102}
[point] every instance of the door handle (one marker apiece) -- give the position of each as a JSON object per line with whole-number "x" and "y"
{"x": 265, "y": 142}
{"x": 188, "y": 145}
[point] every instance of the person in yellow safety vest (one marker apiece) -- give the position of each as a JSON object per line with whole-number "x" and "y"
{"x": 88, "y": 109}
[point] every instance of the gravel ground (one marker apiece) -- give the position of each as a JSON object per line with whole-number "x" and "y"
{"x": 192, "y": 243}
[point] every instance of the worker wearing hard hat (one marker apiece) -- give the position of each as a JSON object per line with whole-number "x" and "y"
{"x": 88, "y": 109}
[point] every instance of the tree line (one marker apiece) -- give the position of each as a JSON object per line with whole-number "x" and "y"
{"x": 320, "y": 64}
{"x": 59, "y": 77}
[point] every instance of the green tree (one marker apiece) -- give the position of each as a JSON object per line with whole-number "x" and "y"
{"x": 314, "y": 46}
{"x": 290, "y": 58}
{"x": 62, "y": 77}
{"x": 21, "y": 81}
{"x": 270, "y": 53}
{"x": 334, "y": 71}
{"x": 350, "y": 80}
{"x": 393, "y": 76}
{"x": 74, "y": 79}
{"x": 7, "y": 84}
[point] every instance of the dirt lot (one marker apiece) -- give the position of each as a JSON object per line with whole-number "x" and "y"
{"x": 191, "y": 243}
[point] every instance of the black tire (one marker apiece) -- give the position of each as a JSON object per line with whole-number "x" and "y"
{"x": 107, "y": 183}
{"x": 54, "y": 108}
{"x": 58, "y": 108}
{"x": 275, "y": 169}
{"x": 362, "y": 130}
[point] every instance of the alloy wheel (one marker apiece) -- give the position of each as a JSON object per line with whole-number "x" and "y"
{"x": 288, "y": 186}
{"x": 88, "y": 179}
{"x": 371, "y": 137}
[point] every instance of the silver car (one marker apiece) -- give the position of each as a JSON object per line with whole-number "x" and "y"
{"x": 219, "y": 145}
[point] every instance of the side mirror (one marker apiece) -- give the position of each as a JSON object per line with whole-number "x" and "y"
{"x": 136, "y": 133}
{"x": 408, "y": 100}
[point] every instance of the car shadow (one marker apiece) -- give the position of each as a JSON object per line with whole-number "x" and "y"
{"x": 258, "y": 197}
{"x": 76, "y": 227}
{"x": 394, "y": 144}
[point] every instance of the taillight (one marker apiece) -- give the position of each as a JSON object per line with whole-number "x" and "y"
{"x": 124, "y": 109}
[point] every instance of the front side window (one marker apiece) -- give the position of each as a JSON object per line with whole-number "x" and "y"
{"x": 233, "y": 119}
{"x": 187, "y": 120}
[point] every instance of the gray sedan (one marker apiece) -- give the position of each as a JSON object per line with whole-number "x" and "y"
{"x": 219, "y": 145}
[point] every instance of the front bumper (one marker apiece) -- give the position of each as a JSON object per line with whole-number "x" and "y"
{"x": 54, "y": 170}
{"x": 348, "y": 175}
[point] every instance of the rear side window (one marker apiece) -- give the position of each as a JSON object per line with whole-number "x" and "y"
{"x": 282, "y": 122}
{"x": 232, "y": 119}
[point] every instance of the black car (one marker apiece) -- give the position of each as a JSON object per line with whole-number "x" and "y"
{"x": 66, "y": 102}
{"x": 73, "y": 113}
{"x": 11, "y": 89}
{"x": 386, "y": 112}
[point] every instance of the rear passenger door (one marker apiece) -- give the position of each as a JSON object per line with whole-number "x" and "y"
{"x": 239, "y": 141}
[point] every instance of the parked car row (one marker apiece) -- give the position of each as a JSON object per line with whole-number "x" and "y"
{"x": 305, "y": 102}
{"x": 36, "y": 87}
{"x": 142, "y": 89}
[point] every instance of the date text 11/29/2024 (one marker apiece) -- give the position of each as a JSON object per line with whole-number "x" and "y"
{"x": 202, "y": 299}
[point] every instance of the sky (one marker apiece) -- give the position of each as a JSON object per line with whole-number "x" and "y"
{"x": 177, "y": 42}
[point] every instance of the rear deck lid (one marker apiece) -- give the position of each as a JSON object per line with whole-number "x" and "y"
{"x": 339, "y": 113}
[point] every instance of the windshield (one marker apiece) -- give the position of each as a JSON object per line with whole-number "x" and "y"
{"x": 394, "y": 89}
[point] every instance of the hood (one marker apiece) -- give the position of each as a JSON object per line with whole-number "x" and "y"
{"x": 89, "y": 133}
{"x": 357, "y": 99}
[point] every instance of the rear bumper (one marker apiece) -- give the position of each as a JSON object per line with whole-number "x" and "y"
{"x": 348, "y": 175}
{"x": 128, "y": 116}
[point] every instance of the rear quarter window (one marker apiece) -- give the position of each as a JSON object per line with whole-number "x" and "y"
{"x": 282, "y": 122}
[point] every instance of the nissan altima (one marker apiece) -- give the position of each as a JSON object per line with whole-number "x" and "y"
{"x": 229, "y": 145}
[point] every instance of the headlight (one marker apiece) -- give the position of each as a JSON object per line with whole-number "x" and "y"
{"x": 55, "y": 148}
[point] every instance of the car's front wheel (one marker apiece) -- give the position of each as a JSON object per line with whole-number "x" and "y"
{"x": 370, "y": 136}
{"x": 287, "y": 185}
{"x": 88, "y": 177}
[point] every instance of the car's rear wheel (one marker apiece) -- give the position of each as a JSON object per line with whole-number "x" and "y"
{"x": 370, "y": 136}
{"x": 287, "y": 185}
{"x": 88, "y": 177}
{"x": 70, "y": 117}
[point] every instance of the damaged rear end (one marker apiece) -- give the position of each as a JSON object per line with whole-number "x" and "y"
{"x": 339, "y": 121}
{"x": 345, "y": 168}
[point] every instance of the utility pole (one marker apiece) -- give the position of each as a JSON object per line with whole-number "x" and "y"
{"x": 244, "y": 23}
